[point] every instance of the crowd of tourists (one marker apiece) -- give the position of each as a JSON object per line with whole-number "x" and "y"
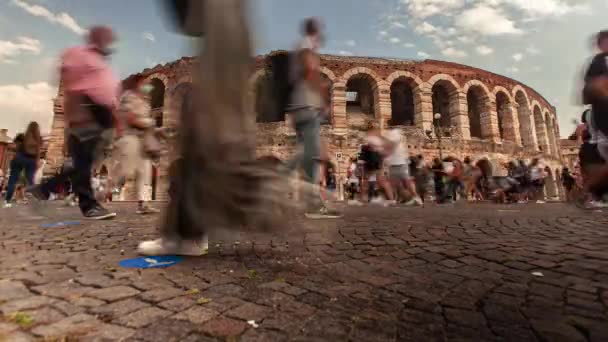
{"x": 98, "y": 118}
{"x": 384, "y": 173}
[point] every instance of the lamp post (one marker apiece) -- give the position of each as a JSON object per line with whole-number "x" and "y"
{"x": 438, "y": 132}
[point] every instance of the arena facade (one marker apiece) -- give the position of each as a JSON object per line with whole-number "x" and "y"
{"x": 482, "y": 114}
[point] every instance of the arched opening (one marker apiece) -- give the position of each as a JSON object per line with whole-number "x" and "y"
{"x": 525, "y": 123}
{"x": 157, "y": 100}
{"x": 477, "y": 102}
{"x": 360, "y": 99}
{"x": 505, "y": 121}
{"x": 327, "y": 120}
{"x": 181, "y": 99}
{"x": 402, "y": 102}
{"x": 444, "y": 94}
{"x": 265, "y": 105}
{"x": 541, "y": 133}
{"x": 103, "y": 172}
{"x": 154, "y": 182}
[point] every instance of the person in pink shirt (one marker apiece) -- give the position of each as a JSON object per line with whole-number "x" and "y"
{"x": 90, "y": 99}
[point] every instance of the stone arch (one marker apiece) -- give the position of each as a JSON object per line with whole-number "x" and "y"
{"x": 329, "y": 78}
{"x": 157, "y": 99}
{"x": 404, "y": 74}
{"x": 524, "y": 115}
{"x": 445, "y": 99}
{"x": 362, "y": 96}
{"x": 479, "y": 109}
{"x": 328, "y": 73}
{"x": 539, "y": 124}
{"x": 181, "y": 97}
{"x": 506, "y": 118}
{"x": 498, "y": 89}
{"x": 549, "y": 124}
{"x": 263, "y": 100}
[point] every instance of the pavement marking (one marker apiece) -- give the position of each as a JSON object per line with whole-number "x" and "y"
{"x": 151, "y": 262}
{"x": 60, "y": 224}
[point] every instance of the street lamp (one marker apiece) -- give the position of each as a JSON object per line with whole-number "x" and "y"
{"x": 438, "y": 133}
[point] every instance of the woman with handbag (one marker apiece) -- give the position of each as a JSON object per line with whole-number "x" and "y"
{"x": 138, "y": 144}
{"x": 26, "y": 160}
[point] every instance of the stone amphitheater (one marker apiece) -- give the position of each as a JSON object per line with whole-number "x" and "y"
{"x": 481, "y": 114}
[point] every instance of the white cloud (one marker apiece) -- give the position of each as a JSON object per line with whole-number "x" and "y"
{"x": 518, "y": 57}
{"x": 398, "y": 25}
{"x": 485, "y": 20}
{"x": 425, "y": 28}
{"x": 543, "y": 8}
{"x": 12, "y": 49}
{"x": 452, "y": 52}
{"x": 513, "y": 69}
{"x": 345, "y": 53}
{"x": 423, "y": 54}
{"x": 351, "y": 43}
{"x": 421, "y": 9}
{"x": 24, "y": 103}
{"x": 394, "y": 40}
{"x": 408, "y": 45}
{"x": 465, "y": 39}
{"x": 148, "y": 36}
{"x": 383, "y": 33}
{"x": 484, "y": 50}
{"x": 532, "y": 50}
{"x": 61, "y": 18}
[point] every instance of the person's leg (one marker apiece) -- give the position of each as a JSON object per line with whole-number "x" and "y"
{"x": 311, "y": 141}
{"x": 29, "y": 166}
{"x": 84, "y": 155}
{"x": 16, "y": 169}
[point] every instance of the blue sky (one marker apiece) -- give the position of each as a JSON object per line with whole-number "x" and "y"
{"x": 542, "y": 43}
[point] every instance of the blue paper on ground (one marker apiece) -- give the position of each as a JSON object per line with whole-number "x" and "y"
{"x": 151, "y": 262}
{"x": 60, "y": 224}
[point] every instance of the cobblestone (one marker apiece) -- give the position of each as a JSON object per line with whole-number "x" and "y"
{"x": 457, "y": 273}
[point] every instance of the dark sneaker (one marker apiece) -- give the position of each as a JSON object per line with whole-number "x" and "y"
{"x": 37, "y": 193}
{"x": 99, "y": 213}
{"x": 323, "y": 213}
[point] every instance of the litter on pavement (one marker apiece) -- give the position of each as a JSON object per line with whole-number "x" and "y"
{"x": 151, "y": 262}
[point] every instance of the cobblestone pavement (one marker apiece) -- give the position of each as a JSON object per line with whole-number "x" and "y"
{"x": 457, "y": 273}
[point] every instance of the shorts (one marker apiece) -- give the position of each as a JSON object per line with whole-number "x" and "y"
{"x": 398, "y": 172}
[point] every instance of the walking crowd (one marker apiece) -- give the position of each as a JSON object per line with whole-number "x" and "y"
{"x": 101, "y": 114}
{"x": 384, "y": 173}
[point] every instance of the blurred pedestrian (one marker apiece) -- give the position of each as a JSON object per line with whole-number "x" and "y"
{"x": 133, "y": 160}
{"x": 90, "y": 98}
{"x": 28, "y": 146}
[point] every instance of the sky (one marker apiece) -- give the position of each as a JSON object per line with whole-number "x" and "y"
{"x": 544, "y": 44}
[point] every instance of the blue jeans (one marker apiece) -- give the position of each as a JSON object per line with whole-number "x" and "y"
{"x": 308, "y": 135}
{"x": 20, "y": 163}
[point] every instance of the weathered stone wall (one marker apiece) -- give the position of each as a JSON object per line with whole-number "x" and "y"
{"x": 503, "y": 115}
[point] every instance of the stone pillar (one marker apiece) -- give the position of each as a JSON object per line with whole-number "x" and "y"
{"x": 459, "y": 114}
{"x": 510, "y": 123}
{"x": 338, "y": 102}
{"x": 383, "y": 108}
{"x": 542, "y": 137}
{"x": 489, "y": 121}
{"x": 423, "y": 108}
{"x": 527, "y": 131}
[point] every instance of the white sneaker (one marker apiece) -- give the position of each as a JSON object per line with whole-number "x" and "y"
{"x": 354, "y": 203}
{"x": 377, "y": 201}
{"x": 540, "y": 202}
{"x": 390, "y": 203}
{"x": 7, "y": 205}
{"x": 186, "y": 247}
{"x": 598, "y": 204}
{"x": 414, "y": 202}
